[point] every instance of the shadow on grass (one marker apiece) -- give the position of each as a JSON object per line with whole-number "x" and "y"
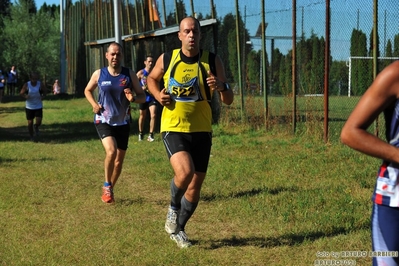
{"x": 284, "y": 240}
{"x": 129, "y": 202}
{"x": 252, "y": 192}
{"x": 49, "y": 97}
{"x": 10, "y": 110}
{"x": 41, "y": 159}
{"x": 52, "y": 133}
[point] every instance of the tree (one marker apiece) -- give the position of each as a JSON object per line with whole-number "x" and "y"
{"x": 233, "y": 59}
{"x": 4, "y": 12}
{"x": 172, "y": 42}
{"x": 52, "y": 10}
{"x": 388, "y": 53}
{"x": 254, "y": 59}
{"x": 274, "y": 76}
{"x": 317, "y": 66}
{"x": 285, "y": 74}
{"x": 396, "y": 45}
{"x": 228, "y": 44}
{"x": 4, "y": 8}
{"x": 28, "y": 5}
{"x": 228, "y": 24}
{"x": 361, "y": 75}
{"x": 34, "y": 44}
{"x": 338, "y": 78}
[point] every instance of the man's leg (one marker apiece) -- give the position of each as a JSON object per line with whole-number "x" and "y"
{"x": 110, "y": 147}
{"x": 184, "y": 171}
{"x": 153, "y": 117}
{"x": 190, "y": 200}
{"x": 37, "y": 125}
{"x": 143, "y": 113}
{"x": 30, "y": 128}
{"x": 120, "y": 156}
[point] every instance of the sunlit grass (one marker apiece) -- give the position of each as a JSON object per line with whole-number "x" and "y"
{"x": 270, "y": 198}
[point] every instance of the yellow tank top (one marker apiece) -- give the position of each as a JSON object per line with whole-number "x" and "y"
{"x": 190, "y": 110}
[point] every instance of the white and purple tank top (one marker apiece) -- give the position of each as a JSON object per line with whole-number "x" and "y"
{"x": 111, "y": 96}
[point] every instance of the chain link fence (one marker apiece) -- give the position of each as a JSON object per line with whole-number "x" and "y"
{"x": 350, "y": 56}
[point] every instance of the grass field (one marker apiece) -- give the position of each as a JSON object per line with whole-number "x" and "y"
{"x": 270, "y": 198}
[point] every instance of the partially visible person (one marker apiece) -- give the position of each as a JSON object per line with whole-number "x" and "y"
{"x": 381, "y": 97}
{"x": 2, "y": 84}
{"x": 34, "y": 92}
{"x": 191, "y": 76}
{"x": 12, "y": 81}
{"x": 56, "y": 87}
{"x": 116, "y": 88}
{"x": 150, "y": 103}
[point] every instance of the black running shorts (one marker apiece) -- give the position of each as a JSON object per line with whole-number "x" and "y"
{"x": 197, "y": 144}
{"x": 119, "y": 133}
{"x": 144, "y": 106}
{"x": 31, "y": 114}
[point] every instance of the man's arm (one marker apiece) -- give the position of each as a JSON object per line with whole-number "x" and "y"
{"x": 140, "y": 95}
{"x": 219, "y": 82}
{"x": 139, "y": 74}
{"x": 382, "y": 94}
{"x": 23, "y": 91}
{"x": 153, "y": 81}
{"x": 90, "y": 87}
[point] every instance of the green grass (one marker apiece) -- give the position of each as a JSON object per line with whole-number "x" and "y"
{"x": 270, "y": 198}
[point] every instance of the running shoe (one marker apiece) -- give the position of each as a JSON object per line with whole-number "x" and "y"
{"x": 108, "y": 194}
{"x": 171, "y": 220}
{"x": 140, "y": 137}
{"x": 150, "y": 138}
{"x": 181, "y": 239}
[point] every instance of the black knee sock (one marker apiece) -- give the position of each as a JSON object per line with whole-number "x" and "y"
{"x": 186, "y": 211}
{"x": 176, "y": 195}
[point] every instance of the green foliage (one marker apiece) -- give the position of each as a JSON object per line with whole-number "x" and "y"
{"x": 174, "y": 19}
{"x": 388, "y": 49}
{"x": 338, "y": 78}
{"x": 52, "y": 10}
{"x": 276, "y": 61}
{"x": 396, "y": 46}
{"x": 28, "y": 5}
{"x": 285, "y": 75}
{"x": 316, "y": 83}
{"x": 253, "y": 68}
{"x": 311, "y": 62}
{"x": 372, "y": 45}
{"x": 388, "y": 53}
{"x": 361, "y": 69}
{"x": 228, "y": 23}
{"x": 233, "y": 57}
{"x": 4, "y": 8}
{"x": 228, "y": 42}
{"x": 32, "y": 41}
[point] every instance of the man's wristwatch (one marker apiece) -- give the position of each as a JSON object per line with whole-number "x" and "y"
{"x": 226, "y": 87}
